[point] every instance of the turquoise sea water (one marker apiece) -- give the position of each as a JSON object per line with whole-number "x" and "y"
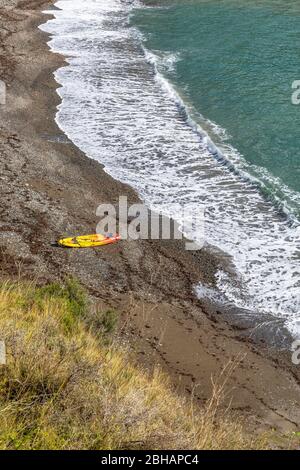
{"x": 234, "y": 62}
{"x": 189, "y": 102}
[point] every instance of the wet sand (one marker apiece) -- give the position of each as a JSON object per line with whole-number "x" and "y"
{"x": 50, "y": 189}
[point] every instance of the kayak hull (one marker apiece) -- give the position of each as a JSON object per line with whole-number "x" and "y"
{"x": 88, "y": 241}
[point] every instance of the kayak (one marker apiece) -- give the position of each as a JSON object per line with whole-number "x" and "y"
{"x": 88, "y": 241}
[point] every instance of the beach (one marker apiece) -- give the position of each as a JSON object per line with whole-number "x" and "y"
{"x": 49, "y": 189}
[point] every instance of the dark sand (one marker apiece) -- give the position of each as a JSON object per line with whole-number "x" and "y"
{"x": 49, "y": 189}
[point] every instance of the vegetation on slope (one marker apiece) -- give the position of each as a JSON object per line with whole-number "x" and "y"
{"x": 67, "y": 386}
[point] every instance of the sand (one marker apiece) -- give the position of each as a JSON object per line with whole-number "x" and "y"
{"x": 51, "y": 189}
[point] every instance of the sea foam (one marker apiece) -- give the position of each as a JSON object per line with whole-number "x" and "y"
{"x": 120, "y": 110}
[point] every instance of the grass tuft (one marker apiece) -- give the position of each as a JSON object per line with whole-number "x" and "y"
{"x": 66, "y": 388}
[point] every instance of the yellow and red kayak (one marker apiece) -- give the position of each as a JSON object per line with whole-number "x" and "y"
{"x": 88, "y": 241}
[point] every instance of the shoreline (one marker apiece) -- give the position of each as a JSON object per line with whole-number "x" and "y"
{"x": 50, "y": 188}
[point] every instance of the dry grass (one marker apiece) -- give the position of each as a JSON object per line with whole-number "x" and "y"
{"x": 65, "y": 387}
